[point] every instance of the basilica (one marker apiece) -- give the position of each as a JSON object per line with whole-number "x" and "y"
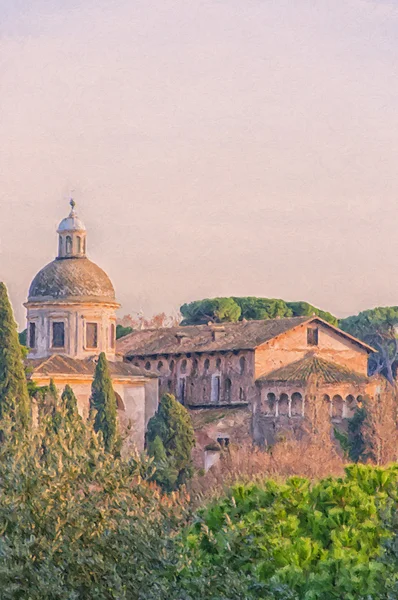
{"x": 71, "y": 319}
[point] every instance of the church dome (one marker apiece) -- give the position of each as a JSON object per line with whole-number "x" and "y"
{"x": 72, "y": 222}
{"x": 72, "y": 279}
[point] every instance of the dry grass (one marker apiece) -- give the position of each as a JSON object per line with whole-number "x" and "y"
{"x": 308, "y": 457}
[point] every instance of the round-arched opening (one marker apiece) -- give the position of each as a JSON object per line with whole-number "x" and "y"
{"x": 184, "y": 366}
{"x": 296, "y": 406}
{"x": 160, "y": 365}
{"x": 283, "y": 405}
{"x": 270, "y": 404}
{"x": 337, "y": 407}
{"x": 148, "y": 365}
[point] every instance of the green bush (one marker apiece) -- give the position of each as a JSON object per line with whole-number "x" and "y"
{"x": 303, "y": 541}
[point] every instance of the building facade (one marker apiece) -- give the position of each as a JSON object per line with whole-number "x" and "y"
{"x": 265, "y": 365}
{"x": 71, "y": 319}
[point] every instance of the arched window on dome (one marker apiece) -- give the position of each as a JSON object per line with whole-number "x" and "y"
{"x": 79, "y": 244}
{"x": 60, "y": 245}
{"x": 68, "y": 245}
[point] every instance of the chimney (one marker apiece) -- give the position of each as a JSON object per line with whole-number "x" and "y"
{"x": 217, "y": 333}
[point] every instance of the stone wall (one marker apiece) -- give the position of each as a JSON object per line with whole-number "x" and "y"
{"x": 204, "y": 379}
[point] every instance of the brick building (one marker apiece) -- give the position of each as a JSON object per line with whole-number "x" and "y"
{"x": 265, "y": 365}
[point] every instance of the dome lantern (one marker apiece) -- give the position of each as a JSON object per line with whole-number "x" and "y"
{"x": 72, "y": 236}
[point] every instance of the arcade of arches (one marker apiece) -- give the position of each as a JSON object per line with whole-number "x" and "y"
{"x": 276, "y": 404}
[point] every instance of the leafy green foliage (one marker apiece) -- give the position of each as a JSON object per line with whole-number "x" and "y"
{"x": 216, "y": 310}
{"x": 170, "y": 439}
{"x": 232, "y": 309}
{"x": 14, "y": 397}
{"x": 121, "y": 331}
{"x": 103, "y": 405}
{"x": 377, "y": 327}
{"x": 77, "y": 523}
{"x": 23, "y": 337}
{"x": 303, "y": 541}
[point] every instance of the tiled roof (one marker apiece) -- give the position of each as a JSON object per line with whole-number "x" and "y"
{"x": 245, "y": 335}
{"x": 325, "y": 372}
{"x": 205, "y": 338}
{"x": 71, "y": 279}
{"x": 64, "y": 365}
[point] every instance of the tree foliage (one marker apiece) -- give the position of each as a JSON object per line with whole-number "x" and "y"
{"x": 378, "y": 328}
{"x": 302, "y": 540}
{"x": 103, "y": 405}
{"x": 219, "y": 310}
{"x": 14, "y": 397}
{"x": 170, "y": 439}
{"x": 122, "y": 331}
{"x": 77, "y": 523}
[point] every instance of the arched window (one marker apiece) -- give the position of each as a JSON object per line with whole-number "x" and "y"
{"x": 296, "y": 405}
{"x": 241, "y": 394}
{"x": 207, "y": 364}
{"x": 160, "y": 365}
{"x": 228, "y": 386}
{"x": 184, "y": 366}
{"x": 60, "y": 245}
{"x": 171, "y": 366}
{"x": 350, "y": 406}
{"x": 242, "y": 365}
{"x": 195, "y": 365}
{"x": 270, "y": 405}
{"x": 79, "y": 244}
{"x": 148, "y": 365}
{"x": 68, "y": 245}
{"x": 337, "y": 407}
{"x": 283, "y": 405}
{"x": 218, "y": 363}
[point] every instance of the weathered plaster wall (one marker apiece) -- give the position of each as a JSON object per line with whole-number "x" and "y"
{"x": 292, "y": 346}
{"x": 75, "y": 317}
{"x": 133, "y": 419}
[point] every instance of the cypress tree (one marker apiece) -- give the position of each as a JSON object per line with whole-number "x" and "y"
{"x": 14, "y": 397}
{"x": 103, "y": 404}
{"x": 170, "y": 434}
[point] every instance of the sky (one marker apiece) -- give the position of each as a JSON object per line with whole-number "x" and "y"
{"x": 213, "y": 147}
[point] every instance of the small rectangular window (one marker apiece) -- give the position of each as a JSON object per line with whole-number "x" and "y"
{"x": 32, "y": 335}
{"x": 312, "y": 336}
{"x": 215, "y": 388}
{"x": 58, "y": 335}
{"x": 112, "y": 335}
{"x": 92, "y": 335}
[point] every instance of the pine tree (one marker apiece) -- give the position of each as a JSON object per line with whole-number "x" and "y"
{"x": 14, "y": 397}
{"x": 172, "y": 426}
{"x": 103, "y": 405}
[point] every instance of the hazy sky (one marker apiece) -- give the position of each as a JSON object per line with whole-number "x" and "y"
{"x": 216, "y": 147}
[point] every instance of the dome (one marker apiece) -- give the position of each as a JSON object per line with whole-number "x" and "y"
{"x": 73, "y": 279}
{"x": 72, "y": 222}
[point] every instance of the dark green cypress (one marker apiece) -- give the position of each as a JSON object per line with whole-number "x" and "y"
{"x": 14, "y": 397}
{"x": 103, "y": 404}
{"x": 172, "y": 426}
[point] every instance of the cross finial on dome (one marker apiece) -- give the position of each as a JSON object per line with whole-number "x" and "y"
{"x": 72, "y": 203}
